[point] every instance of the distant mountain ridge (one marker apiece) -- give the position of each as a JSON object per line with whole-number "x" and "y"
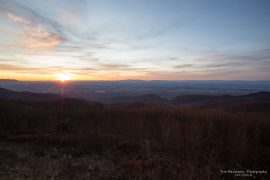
{"x": 27, "y": 96}
{"x": 90, "y": 90}
{"x": 145, "y": 98}
{"x": 151, "y": 98}
{"x": 262, "y": 96}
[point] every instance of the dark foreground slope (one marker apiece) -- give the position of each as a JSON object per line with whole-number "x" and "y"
{"x": 26, "y": 96}
{"x": 261, "y": 97}
{"x": 131, "y": 141}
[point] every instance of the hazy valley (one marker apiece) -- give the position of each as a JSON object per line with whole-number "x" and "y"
{"x": 132, "y": 136}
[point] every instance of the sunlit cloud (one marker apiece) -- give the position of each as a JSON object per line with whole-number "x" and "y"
{"x": 38, "y": 38}
{"x": 120, "y": 40}
{"x": 34, "y": 36}
{"x": 18, "y": 19}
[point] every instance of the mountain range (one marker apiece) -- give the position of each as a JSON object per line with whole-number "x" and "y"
{"x": 262, "y": 98}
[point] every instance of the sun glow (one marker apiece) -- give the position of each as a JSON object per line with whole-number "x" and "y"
{"x": 63, "y": 77}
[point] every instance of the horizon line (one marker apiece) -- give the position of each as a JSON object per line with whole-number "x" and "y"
{"x": 139, "y": 80}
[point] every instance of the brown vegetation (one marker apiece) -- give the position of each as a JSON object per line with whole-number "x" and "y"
{"x": 133, "y": 141}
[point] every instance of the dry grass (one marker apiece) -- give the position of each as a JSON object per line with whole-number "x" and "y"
{"x": 131, "y": 142}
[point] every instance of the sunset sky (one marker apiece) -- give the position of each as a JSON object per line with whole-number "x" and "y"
{"x": 135, "y": 39}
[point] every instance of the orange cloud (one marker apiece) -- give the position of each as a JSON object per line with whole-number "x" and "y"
{"x": 35, "y": 36}
{"x": 38, "y": 38}
{"x": 18, "y": 19}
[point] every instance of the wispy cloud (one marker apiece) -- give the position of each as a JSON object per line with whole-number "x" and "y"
{"x": 115, "y": 40}
{"x": 17, "y": 19}
{"x": 34, "y": 35}
{"x": 181, "y": 66}
{"x": 228, "y": 64}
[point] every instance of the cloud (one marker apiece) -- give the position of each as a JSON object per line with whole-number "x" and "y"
{"x": 223, "y": 65}
{"x": 102, "y": 44}
{"x": 33, "y": 36}
{"x": 249, "y": 59}
{"x": 11, "y": 67}
{"x": 36, "y": 37}
{"x": 182, "y": 66}
{"x": 17, "y": 19}
{"x": 26, "y": 69}
{"x": 114, "y": 66}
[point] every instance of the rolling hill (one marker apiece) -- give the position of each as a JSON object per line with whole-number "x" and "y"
{"x": 27, "y": 96}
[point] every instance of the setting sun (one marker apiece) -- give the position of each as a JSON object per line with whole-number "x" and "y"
{"x": 63, "y": 77}
{"x": 135, "y": 89}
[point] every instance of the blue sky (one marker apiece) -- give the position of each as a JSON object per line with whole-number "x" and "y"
{"x": 135, "y": 39}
